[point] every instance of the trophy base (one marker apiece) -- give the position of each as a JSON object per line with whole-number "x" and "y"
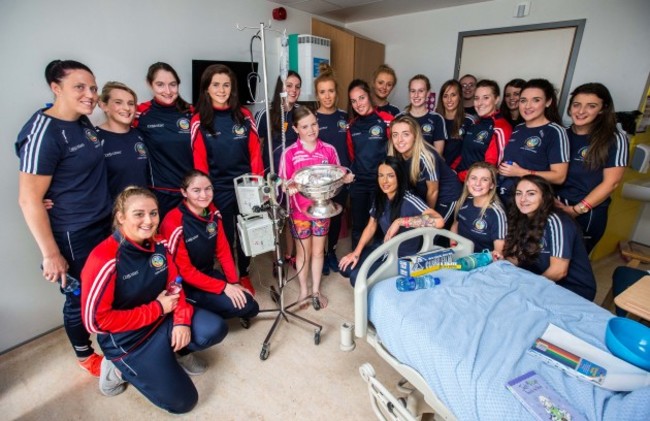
{"x": 323, "y": 209}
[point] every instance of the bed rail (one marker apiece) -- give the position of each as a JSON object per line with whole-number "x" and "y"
{"x": 389, "y": 267}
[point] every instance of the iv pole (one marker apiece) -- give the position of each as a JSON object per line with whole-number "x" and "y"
{"x": 283, "y": 312}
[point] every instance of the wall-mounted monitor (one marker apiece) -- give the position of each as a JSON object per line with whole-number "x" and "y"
{"x": 241, "y": 68}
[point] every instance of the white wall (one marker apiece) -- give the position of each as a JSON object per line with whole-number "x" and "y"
{"x": 614, "y": 48}
{"x": 118, "y": 39}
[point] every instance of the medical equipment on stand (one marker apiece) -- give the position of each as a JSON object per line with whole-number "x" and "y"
{"x": 276, "y": 214}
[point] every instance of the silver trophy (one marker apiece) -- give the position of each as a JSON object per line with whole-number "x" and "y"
{"x": 320, "y": 183}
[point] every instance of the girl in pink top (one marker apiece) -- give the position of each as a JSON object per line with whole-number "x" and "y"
{"x": 312, "y": 233}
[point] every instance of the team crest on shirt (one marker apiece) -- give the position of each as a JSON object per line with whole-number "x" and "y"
{"x": 211, "y": 228}
{"x": 91, "y": 135}
{"x": 480, "y": 225}
{"x": 582, "y": 153}
{"x": 376, "y": 131}
{"x": 481, "y": 136}
{"x": 140, "y": 150}
{"x": 183, "y": 123}
{"x": 427, "y": 128}
{"x": 342, "y": 125}
{"x": 532, "y": 143}
{"x": 158, "y": 261}
{"x": 461, "y": 132}
{"x": 238, "y": 130}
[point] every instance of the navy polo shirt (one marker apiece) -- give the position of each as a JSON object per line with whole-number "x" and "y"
{"x": 127, "y": 163}
{"x": 432, "y": 125}
{"x": 71, "y": 153}
{"x": 453, "y": 146}
{"x": 167, "y": 137}
{"x": 200, "y": 237}
{"x": 290, "y": 138}
{"x": 411, "y": 206}
{"x": 333, "y": 128}
{"x": 580, "y": 179}
{"x": 227, "y": 150}
{"x": 369, "y": 137}
{"x": 536, "y": 149}
{"x": 449, "y": 187}
{"x": 482, "y": 230}
{"x": 562, "y": 238}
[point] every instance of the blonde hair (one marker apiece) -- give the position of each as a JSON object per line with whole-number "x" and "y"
{"x": 109, "y": 86}
{"x": 492, "y": 196}
{"x": 384, "y": 68}
{"x": 124, "y": 196}
{"x": 421, "y": 149}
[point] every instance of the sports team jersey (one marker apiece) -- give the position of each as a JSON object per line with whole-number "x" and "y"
{"x": 536, "y": 149}
{"x": 453, "y": 146}
{"x": 126, "y": 159}
{"x": 432, "y": 125}
{"x": 562, "y": 238}
{"x": 471, "y": 110}
{"x": 232, "y": 151}
{"x": 333, "y": 129}
{"x": 167, "y": 137}
{"x": 389, "y": 108}
{"x": 290, "y": 137}
{"x": 411, "y": 206}
{"x": 449, "y": 187}
{"x": 367, "y": 144}
{"x": 296, "y": 157}
{"x": 196, "y": 242}
{"x": 485, "y": 230}
{"x": 484, "y": 141}
{"x": 580, "y": 180}
{"x": 71, "y": 153}
{"x": 120, "y": 283}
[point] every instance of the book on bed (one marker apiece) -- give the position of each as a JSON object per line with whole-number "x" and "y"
{"x": 541, "y": 400}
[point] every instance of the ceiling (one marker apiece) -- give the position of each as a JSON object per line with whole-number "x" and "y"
{"x": 348, "y": 11}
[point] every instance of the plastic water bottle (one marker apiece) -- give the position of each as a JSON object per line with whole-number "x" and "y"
{"x": 475, "y": 260}
{"x": 72, "y": 285}
{"x": 410, "y": 283}
{"x": 175, "y": 286}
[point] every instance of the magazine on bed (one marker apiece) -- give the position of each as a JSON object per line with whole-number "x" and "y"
{"x": 541, "y": 400}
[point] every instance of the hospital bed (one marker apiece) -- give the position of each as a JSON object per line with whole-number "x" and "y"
{"x": 457, "y": 344}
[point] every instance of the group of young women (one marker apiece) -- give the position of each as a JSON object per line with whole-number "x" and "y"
{"x": 166, "y": 170}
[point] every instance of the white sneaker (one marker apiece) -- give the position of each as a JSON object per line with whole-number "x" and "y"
{"x": 110, "y": 382}
{"x": 192, "y": 364}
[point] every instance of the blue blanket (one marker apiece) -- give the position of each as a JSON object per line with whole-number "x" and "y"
{"x": 468, "y": 336}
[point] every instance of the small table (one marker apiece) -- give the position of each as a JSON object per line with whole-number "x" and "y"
{"x": 636, "y": 299}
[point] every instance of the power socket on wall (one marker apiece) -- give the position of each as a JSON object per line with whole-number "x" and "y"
{"x": 522, "y": 9}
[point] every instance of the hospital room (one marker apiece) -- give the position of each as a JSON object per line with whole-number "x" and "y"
{"x": 334, "y": 288}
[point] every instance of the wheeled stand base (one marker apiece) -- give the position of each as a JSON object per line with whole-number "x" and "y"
{"x": 284, "y": 314}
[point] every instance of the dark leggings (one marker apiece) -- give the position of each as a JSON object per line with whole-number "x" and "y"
{"x": 226, "y": 202}
{"x": 593, "y": 225}
{"x": 623, "y": 278}
{"x": 335, "y": 222}
{"x": 220, "y": 304}
{"x": 152, "y": 367}
{"x": 75, "y": 246}
{"x": 353, "y": 273}
{"x": 362, "y": 196}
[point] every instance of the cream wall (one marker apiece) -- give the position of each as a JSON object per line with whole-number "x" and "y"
{"x": 614, "y": 47}
{"x": 118, "y": 39}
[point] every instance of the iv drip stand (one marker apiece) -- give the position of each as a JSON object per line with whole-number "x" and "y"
{"x": 283, "y": 312}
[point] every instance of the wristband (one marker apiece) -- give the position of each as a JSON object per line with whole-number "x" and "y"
{"x": 587, "y": 205}
{"x": 532, "y": 172}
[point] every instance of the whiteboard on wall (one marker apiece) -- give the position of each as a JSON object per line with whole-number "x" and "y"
{"x": 546, "y": 51}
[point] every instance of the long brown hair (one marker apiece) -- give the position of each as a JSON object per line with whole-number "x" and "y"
{"x": 459, "y": 116}
{"x": 204, "y": 105}
{"x": 181, "y": 105}
{"x": 523, "y": 240}
{"x": 603, "y": 130}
